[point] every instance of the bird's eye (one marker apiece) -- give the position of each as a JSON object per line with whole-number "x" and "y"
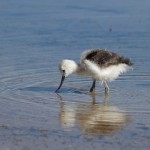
{"x": 63, "y": 71}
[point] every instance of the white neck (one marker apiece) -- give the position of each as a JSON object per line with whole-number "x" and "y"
{"x": 71, "y": 66}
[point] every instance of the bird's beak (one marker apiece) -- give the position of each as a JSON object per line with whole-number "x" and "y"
{"x": 62, "y": 80}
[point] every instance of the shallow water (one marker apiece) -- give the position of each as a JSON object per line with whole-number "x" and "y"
{"x": 34, "y": 37}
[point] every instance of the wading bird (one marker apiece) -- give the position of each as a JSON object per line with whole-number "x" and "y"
{"x": 100, "y": 64}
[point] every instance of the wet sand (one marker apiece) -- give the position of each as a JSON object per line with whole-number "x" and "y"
{"x": 34, "y": 37}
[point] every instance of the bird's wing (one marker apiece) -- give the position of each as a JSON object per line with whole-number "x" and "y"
{"x": 101, "y": 57}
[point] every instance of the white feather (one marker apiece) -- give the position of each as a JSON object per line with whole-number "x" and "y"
{"x": 105, "y": 74}
{"x": 91, "y": 68}
{"x": 69, "y": 66}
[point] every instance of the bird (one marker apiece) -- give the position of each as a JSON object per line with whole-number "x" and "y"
{"x": 98, "y": 63}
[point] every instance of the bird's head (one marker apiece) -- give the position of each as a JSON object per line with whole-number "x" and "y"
{"x": 66, "y": 67}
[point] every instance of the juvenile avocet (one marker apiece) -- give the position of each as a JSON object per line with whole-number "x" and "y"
{"x": 100, "y": 64}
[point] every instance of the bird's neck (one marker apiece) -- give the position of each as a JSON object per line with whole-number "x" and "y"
{"x": 77, "y": 68}
{"x": 80, "y": 70}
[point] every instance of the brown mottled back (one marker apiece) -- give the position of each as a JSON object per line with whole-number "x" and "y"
{"x": 105, "y": 58}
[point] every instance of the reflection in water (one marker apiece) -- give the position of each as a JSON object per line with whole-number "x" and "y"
{"x": 92, "y": 118}
{"x": 67, "y": 116}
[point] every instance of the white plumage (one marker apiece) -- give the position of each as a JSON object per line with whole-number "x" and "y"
{"x": 105, "y": 74}
{"x": 100, "y": 64}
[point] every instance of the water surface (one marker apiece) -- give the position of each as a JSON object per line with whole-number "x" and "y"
{"x": 34, "y": 37}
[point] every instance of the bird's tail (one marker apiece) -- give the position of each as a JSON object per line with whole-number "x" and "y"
{"x": 127, "y": 61}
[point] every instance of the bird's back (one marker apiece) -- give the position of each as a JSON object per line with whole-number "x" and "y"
{"x": 104, "y": 58}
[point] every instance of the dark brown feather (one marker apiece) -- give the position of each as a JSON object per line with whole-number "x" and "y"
{"x": 106, "y": 58}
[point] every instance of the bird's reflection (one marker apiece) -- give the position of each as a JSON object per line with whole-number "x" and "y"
{"x": 92, "y": 118}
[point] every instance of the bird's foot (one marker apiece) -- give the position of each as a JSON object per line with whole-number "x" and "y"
{"x": 92, "y": 90}
{"x": 106, "y": 90}
{"x": 106, "y": 87}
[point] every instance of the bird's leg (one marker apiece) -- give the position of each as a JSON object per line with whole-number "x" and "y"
{"x": 93, "y": 86}
{"x": 106, "y": 87}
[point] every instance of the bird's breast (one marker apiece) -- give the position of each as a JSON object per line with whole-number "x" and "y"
{"x": 104, "y": 73}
